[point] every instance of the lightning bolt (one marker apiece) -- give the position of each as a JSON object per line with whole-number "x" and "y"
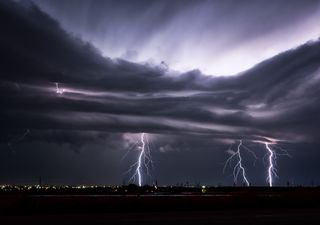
{"x": 271, "y": 168}
{"x": 144, "y": 161}
{"x": 238, "y": 168}
{"x": 142, "y": 152}
{"x": 18, "y": 139}
{"x": 272, "y": 153}
{"x": 58, "y": 90}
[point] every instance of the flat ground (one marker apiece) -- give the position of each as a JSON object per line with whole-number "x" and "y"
{"x": 247, "y": 206}
{"x": 239, "y": 217}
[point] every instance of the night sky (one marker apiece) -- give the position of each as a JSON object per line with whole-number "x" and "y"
{"x": 82, "y": 80}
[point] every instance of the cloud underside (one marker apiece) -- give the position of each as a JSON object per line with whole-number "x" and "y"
{"x": 278, "y": 98}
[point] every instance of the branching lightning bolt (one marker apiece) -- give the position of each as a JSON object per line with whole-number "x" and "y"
{"x": 271, "y": 169}
{"x": 142, "y": 152}
{"x": 271, "y": 155}
{"x": 238, "y": 168}
{"x": 272, "y": 160}
{"x": 144, "y": 161}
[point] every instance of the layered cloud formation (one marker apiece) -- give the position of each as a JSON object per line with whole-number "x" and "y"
{"x": 205, "y": 35}
{"x": 104, "y": 98}
{"x": 278, "y": 98}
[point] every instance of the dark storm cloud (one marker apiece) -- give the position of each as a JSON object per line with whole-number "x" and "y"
{"x": 215, "y": 33}
{"x": 278, "y": 98}
{"x": 90, "y": 15}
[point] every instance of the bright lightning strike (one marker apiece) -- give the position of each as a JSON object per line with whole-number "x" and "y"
{"x": 272, "y": 160}
{"x": 59, "y": 90}
{"x": 143, "y": 162}
{"x": 271, "y": 169}
{"x": 238, "y": 168}
{"x": 142, "y": 152}
{"x": 272, "y": 153}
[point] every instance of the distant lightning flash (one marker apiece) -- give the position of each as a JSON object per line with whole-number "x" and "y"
{"x": 238, "y": 168}
{"x": 18, "y": 139}
{"x": 59, "y": 90}
{"x": 143, "y": 162}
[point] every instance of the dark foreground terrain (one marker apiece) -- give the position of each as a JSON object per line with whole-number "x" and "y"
{"x": 154, "y": 205}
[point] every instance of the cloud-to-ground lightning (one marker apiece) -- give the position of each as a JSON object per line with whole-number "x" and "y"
{"x": 273, "y": 150}
{"x": 272, "y": 154}
{"x": 238, "y": 168}
{"x": 144, "y": 161}
{"x": 59, "y": 90}
{"x": 142, "y": 152}
{"x": 271, "y": 169}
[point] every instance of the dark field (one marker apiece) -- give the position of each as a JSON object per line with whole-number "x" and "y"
{"x": 147, "y": 205}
